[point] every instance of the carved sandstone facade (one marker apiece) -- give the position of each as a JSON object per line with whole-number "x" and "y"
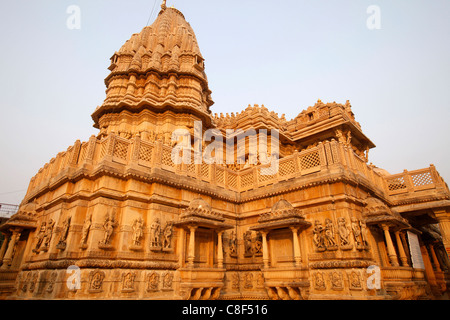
{"x": 115, "y": 218}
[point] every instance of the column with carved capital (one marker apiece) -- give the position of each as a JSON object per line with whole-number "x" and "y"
{"x": 297, "y": 254}
{"x": 443, "y": 218}
{"x": 219, "y": 250}
{"x": 401, "y": 250}
{"x": 265, "y": 249}
{"x": 9, "y": 255}
{"x": 4, "y": 246}
{"x": 191, "y": 251}
{"x": 390, "y": 246}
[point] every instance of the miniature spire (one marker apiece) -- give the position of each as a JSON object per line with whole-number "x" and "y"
{"x": 163, "y": 6}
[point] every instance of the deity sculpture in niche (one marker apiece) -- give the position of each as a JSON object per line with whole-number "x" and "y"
{"x": 258, "y": 244}
{"x": 233, "y": 244}
{"x": 64, "y": 233}
{"x": 85, "y": 231}
{"x": 108, "y": 228}
{"x": 167, "y": 236}
{"x": 248, "y": 250}
{"x": 344, "y": 234}
{"x": 330, "y": 241}
{"x": 96, "y": 281}
{"x": 318, "y": 237}
{"x": 128, "y": 282}
{"x": 137, "y": 235}
{"x": 155, "y": 235}
{"x": 40, "y": 237}
{"x": 152, "y": 281}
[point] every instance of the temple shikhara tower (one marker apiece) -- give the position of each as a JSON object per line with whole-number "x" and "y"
{"x": 115, "y": 217}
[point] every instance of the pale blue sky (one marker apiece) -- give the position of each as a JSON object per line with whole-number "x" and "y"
{"x": 283, "y": 54}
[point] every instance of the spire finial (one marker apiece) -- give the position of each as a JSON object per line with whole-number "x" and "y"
{"x": 163, "y": 6}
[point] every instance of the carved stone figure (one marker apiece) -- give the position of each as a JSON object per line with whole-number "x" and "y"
{"x": 153, "y": 281}
{"x": 155, "y": 233}
{"x": 258, "y": 244}
{"x": 344, "y": 234}
{"x": 138, "y": 232}
{"x": 336, "y": 280}
{"x": 318, "y": 238}
{"x": 233, "y": 244}
{"x": 330, "y": 241}
{"x": 167, "y": 280}
{"x": 248, "y": 250}
{"x": 356, "y": 229}
{"x": 40, "y": 237}
{"x": 48, "y": 235}
{"x": 167, "y": 235}
{"x": 108, "y": 228}
{"x": 96, "y": 280}
{"x": 128, "y": 282}
{"x": 319, "y": 281}
{"x": 85, "y": 230}
{"x": 64, "y": 233}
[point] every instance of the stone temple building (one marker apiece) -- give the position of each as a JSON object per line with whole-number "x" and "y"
{"x": 118, "y": 217}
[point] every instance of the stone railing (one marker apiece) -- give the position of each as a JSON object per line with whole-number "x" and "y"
{"x": 412, "y": 181}
{"x": 149, "y": 155}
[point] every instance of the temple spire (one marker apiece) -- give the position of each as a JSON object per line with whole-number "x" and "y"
{"x": 163, "y": 6}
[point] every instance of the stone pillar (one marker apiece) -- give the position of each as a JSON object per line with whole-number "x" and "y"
{"x": 401, "y": 251}
{"x": 219, "y": 250}
{"x": 443, "y": 218}
{"x": 390, "y": 246}
{"x": 4, "y": 246}
{"x": 265, "y": 249}
{"x": 297, "y": 254}
{"x": 9, "y": 255}
{"x": 191, "y": 251}
{"x": 435, "y": 259}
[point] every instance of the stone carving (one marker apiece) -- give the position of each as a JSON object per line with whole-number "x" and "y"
{"x": 128, "y": 282}
{"x": 330, "y": 241}
{"x": 359, "y": 230}
{"x": 108, "y": 229}
{"x": 167, "y": 236}
{"x": 233, "y": 244}
{"x": 44, "y": 236}
{"x": 248, "y": 280}
{"x": 152, "y": 281}
{"x": 318, "y": 237}
{"x": 85, "y": 231}
{"x": 155, "y": 235}
{"x": 344, "y": 235}
{"x": 64, "y": 233}
{"x": 96, "y": 281}
{"x": 248, "y": 249}
{"x": 167, "y": 280}
{"x": 138, "y": 234}
{"x": 319, "y": 281}
{"x": 336, "y": 280}
{"x": 51, "y": 282}
{"x": 355, "y": 281}
{"x": 258, "y": 244}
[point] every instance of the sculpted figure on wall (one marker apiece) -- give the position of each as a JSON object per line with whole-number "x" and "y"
{"x": 318, "y": 238}
{"x": 155, "y": 234}
{"x": 248, "y": 252}
{"x": 40, "y": 237}
{"x": 64, "y": 233}
{"x": 85, "y": 230}
{"x": 138, "y": 232}
{"x": 167, "y": 235}
{"x": 108, "y": 228}
{"x": 233, "y": 244}
{"x": 344, "y": 234}
{"x": 330, "y": 241}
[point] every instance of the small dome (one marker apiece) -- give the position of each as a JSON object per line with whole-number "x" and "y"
{"x": 282, "y": 205}
{"x": 199, "y": 204}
